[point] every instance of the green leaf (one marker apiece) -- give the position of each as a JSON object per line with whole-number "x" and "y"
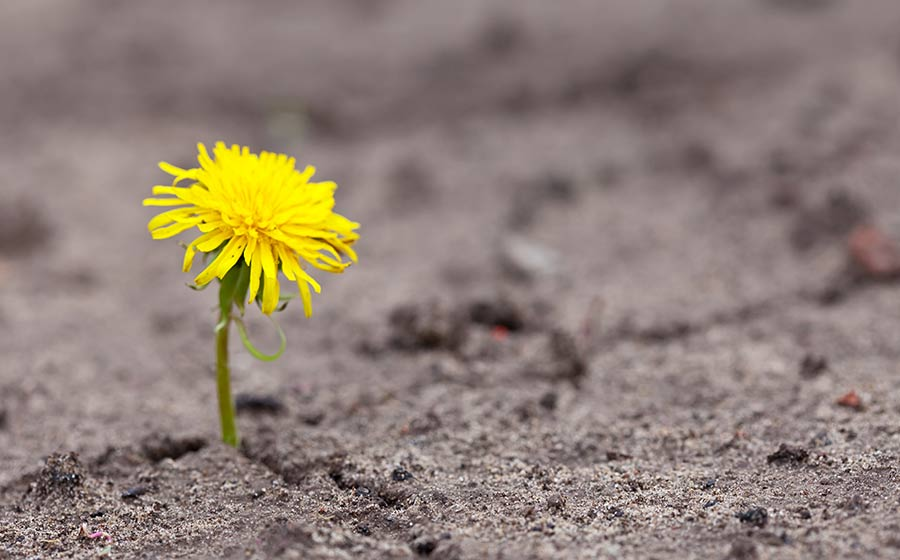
{"x": 242, "y": 286}
{"x": 242, "y": 330}
{"x": 227, "y": 287}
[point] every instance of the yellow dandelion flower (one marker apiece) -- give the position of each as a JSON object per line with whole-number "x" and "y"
{"x": 260, "y": 208}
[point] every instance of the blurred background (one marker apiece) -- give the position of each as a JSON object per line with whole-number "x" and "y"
{"x": 672, "y": 184}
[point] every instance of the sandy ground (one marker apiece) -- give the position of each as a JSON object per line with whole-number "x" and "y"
{"x": 603, "y": 307}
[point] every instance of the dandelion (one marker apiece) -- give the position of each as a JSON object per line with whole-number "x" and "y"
{"x": 258, "y": 216}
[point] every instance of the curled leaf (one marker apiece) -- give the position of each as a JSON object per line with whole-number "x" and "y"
{"x": 242, "y": 330}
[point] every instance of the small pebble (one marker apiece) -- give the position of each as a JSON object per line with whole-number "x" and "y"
{"x": 401, "y": 475}
{"x": 134, "y": 492}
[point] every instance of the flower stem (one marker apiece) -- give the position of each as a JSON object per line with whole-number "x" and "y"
{"x": 223, "y": 382}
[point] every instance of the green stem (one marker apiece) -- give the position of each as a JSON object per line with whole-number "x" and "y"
{"x": 223, "y": 381}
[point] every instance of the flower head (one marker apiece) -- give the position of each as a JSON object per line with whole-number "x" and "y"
{"x": 258, "y": 208}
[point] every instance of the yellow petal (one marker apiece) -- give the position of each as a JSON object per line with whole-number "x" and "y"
{"x": 189, "y": 253}
{"x": 271, "y": 293}
{"x": 171, "y": 169}
{"x": 306, "y": 297}
{"x": 212, "y": 240}
{"x": 179, "y": 173}
{"x": 172, "y": 230}
{"x": 203, "y": 158}
{"x": 163, "y": 202}
{"x": 191, "y": 249}
{"x": 232, "y": 252}
{"x": 210, "y": 271}
{"x": 255, "y": 273}
{"x": 288, "y": 262}
{"x": 192, "y": 195}
{"x": 267, "y": 260}
{"x": 168, "y": 217}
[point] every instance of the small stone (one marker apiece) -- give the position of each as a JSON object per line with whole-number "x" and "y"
{"x": 821, "y": 439}
{"x": 401, "y": 475}
{"x": 851, "y": 400}
{"x": 524, "y": 260}
{"x": 134, "y": 492}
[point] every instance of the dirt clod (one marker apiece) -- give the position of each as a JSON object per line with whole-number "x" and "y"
{"x": 556, "y": 502}
{"x": 62, "y": 473}
{"x": 549, "y": 400}
{"x": 259, "y": 404}
{"x": 787, "y": 454}
{"x": 757, "y": 516}
{"x": 424, "y": 546}
{"x": 427, "y": 326}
